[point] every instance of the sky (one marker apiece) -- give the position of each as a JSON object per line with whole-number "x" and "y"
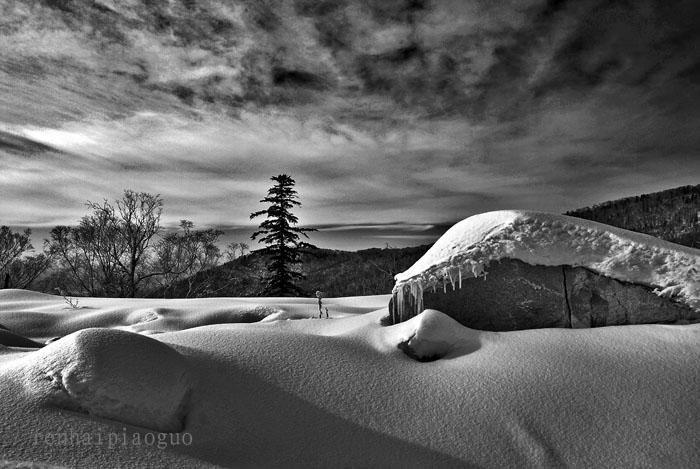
{"x": 396, "y": 118}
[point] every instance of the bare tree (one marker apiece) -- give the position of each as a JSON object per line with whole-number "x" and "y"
{"x": 234, "y": 248}
{"x": 135, "y": 221}
{"x": 387, "y": 264}
{"x": 108, "y": 253}
{"x": 90, "y": 253}
{"x": 16, "y": 270}
{"x": 184, "y": 257}
{"x": 122, "y": 250}
{"x": 23, "y": 272}
{"x": 12, "y": 245}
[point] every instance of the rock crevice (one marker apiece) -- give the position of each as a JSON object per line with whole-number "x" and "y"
{"x": 566, "y": 296}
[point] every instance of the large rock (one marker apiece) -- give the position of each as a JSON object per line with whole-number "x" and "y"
{"x": 596, "y": 300}
{"x": 515, "y": 296}
{"x": 512, "y": 296}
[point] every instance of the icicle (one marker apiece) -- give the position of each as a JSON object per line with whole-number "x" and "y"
{"x": 399, "y": 304}
{"x": 407, "y": 307}
{"x": 475, "y": 269}
{"x": 398, "y": 308}
{"x": 413, "y": 298}
{"x": 460, "y": 278}
{"x": 403, "y": 303}
{"x": 419, "y": 298}
{"x": 452, "y": 281}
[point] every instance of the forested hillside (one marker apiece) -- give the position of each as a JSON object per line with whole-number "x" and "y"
{"x": 336, "y": 273}
{"x": 673, "y": 215}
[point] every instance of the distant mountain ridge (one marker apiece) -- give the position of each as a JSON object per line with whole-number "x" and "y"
{"x": 673, "y": 214}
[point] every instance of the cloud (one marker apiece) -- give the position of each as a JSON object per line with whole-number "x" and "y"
{"x": 375, "y": 227}
{"x": 404, "y": 59}
{"x": 407, "y": 112}
{"x": 214, "y": 163}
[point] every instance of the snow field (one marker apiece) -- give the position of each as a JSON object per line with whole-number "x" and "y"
{"x": 341, "y": 393}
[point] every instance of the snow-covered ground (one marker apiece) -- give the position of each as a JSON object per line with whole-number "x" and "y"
{"x": 195, "y": 383}
{"x": 338, "y": 392}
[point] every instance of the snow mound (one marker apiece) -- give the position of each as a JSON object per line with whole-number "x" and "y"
{"x": 288, "y": 316}
{"x": 432, "y": 335}
{"x": 11, "y": 294}
{"x": 113, "y": 374}
{"x": 141, "y": 316}
{"x": 537, "y": 238}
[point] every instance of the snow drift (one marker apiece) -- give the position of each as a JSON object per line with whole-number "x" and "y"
{"x": 544, "y": 239}
{"x": 113, "y": 374}
{"x": 341, "y": 392}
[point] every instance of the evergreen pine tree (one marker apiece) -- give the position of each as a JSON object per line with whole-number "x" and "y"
{"x": 281, "y": 238}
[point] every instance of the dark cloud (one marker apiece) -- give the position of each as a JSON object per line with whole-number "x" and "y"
{"x": 480, "y": 60}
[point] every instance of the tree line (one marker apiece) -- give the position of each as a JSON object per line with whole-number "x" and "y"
{"x": 17, "y": 270}
{"x": 121, "y": 249}
{"x": 673, "y": 214}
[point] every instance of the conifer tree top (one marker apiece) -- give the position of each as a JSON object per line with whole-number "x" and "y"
{"x": 281, "y": 237}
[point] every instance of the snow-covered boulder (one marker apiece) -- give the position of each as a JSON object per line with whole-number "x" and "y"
{"x": 511, "y": 270}
{"x": 112, "y": 374}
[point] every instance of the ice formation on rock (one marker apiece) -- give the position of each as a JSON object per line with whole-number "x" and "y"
{"x": 545, "y": 239}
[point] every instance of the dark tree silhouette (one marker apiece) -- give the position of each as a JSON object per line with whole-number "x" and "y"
{"x": 183, "y": 258}
{"x": 17, "y": 270}
{"x": 109, "y": 252}
{"x": 281, "y": 238}
{"x": 12, "y": 245}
